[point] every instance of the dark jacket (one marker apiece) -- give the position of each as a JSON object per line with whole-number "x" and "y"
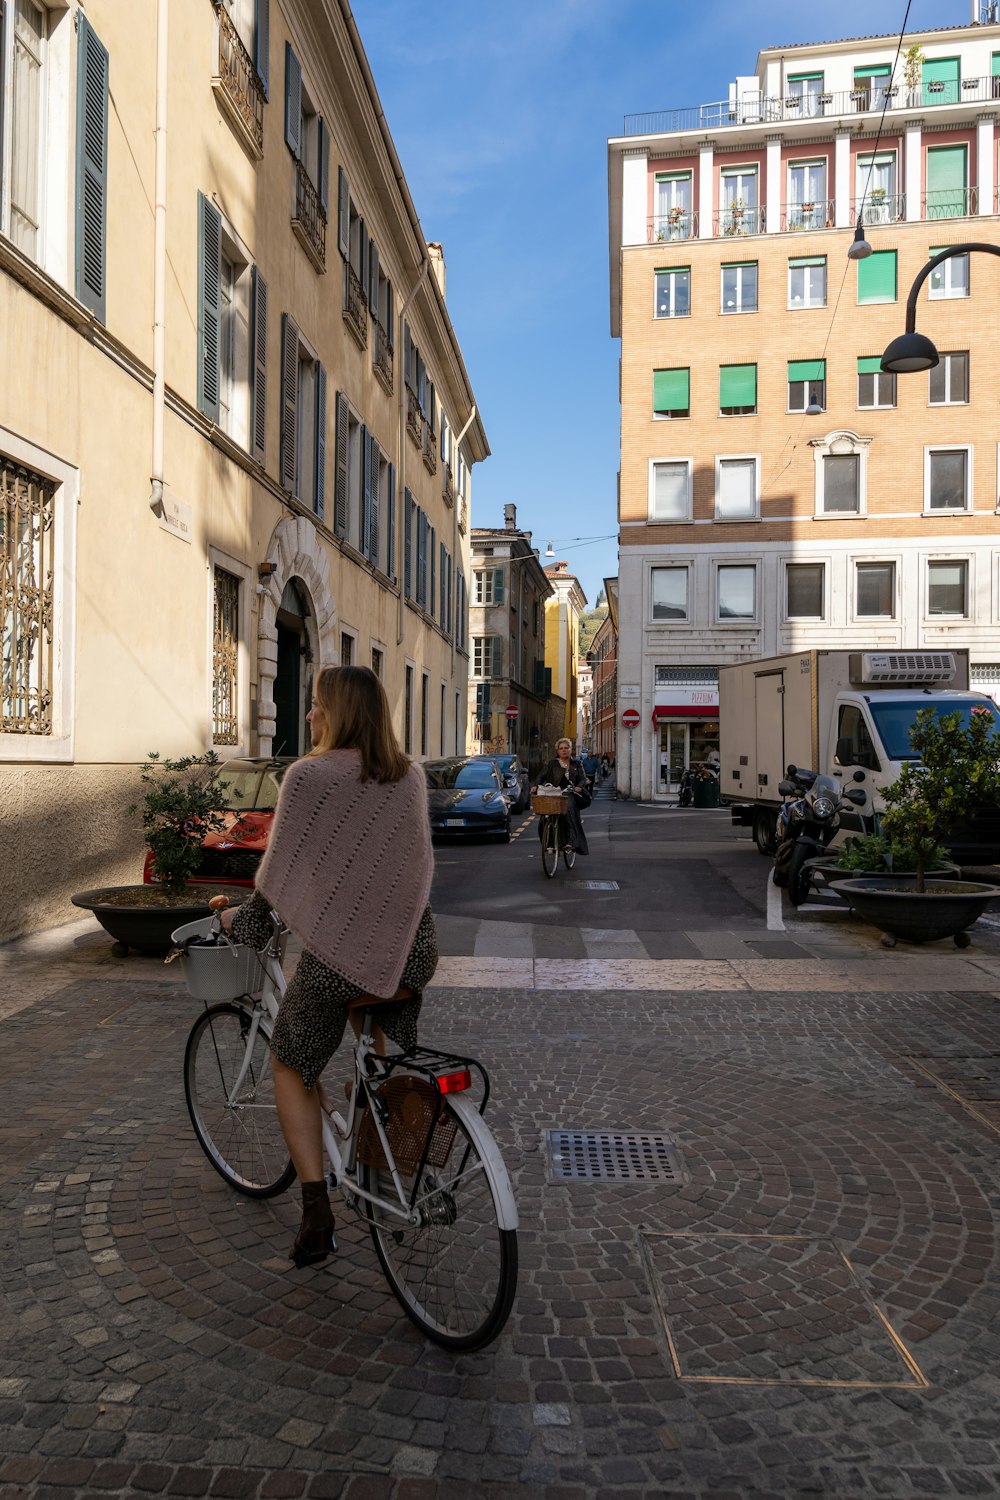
{"x": 554, "y": 775}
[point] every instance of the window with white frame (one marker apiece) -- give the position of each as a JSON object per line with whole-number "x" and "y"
{"x": 670, "y": 490}
{"x": 876, "y": 387}
{"x": 736, "y": 488}
{"x": 668, "y": 594}
{"x": 841, "y": 473}
{"x": 806, "y": 207}
{"x": 947, "y": 478}
{"x": 806, "y": 384}
{"x": 234, "y": 342}
{"x": 948, "y": 588}
{"x": 805, "y": 588}
{"x": 807, "y": 281}
{"x": 22, "y": 70}
{"x": 948, "y": 381}
{"x": 489, "y": 586}
{"x": 950, "y": 278}
{"x": 673, "y": 292}
{"x": 487, "y": 656}
{"x": 739, "y": 287}
{"x": 875, "y": 590}
{"x": 736, "y": 586}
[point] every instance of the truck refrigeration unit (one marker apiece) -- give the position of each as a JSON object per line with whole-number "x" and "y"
{"x": 847, "y": 714}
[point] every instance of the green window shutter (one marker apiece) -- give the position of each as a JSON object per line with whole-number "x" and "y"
{"x": 996, "y": 65}
{"x": 319, "y": 497}
{"x": 498, "y": 585}
{"x": 674, "y": 270}
{"x": 289, "y": 400}
{"x": 340, "y": 438}
{"x": 671, "y": 390}
{"x": 262, "y": 42}
{"x": 870, "y": 364}
{"x": 807, "y": 260}
{"x": 293, "y": 101}
{"x": 806, "y": 369}
{"x": 258, "y": 364}
{"x": 91, "y": 169}
{"x": 738, "y": 384}
{"x": 877, "y": 70}
{"x": 947, "y": 179}
{"x": 802, "y": 77}
{"x": 209, "y": 277}
{"x": 943, "y": 70}
{"x": 877, "y": 277}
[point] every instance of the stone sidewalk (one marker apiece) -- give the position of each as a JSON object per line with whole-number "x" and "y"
{"x": 799, "y": 1299}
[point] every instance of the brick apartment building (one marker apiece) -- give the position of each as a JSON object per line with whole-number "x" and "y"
{"x": 778, "y": 491}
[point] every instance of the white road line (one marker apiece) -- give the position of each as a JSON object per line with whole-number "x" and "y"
{"x": 774, "y": 920}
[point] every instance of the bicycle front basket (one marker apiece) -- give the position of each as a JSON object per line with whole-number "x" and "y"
{"x": 224, "y": 971}
{"x": 544, "y": 803}
{"x": 412, "y": 1104}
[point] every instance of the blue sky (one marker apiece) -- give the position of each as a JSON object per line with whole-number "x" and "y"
{"x": 501, "y": 114}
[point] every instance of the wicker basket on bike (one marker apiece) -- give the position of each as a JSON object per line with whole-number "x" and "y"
{"x": 549, "y": 803}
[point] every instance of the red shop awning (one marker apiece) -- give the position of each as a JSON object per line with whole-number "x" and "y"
{"x": 686, "y": 711}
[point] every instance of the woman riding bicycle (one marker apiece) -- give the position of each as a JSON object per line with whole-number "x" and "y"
{"x": 568, "y": 774}
{"x": 348, "y": 868}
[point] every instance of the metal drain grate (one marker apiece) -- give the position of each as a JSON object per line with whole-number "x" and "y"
{"x": 597, "y": 885}
{"x": 611, "y": 1156}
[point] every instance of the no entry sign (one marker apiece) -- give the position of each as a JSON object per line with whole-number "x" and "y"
{"x": 512, "y": 711}
{"x": 630, "y": 718}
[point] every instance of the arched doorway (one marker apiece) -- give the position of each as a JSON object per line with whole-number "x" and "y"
{"x": 293, "y": 677}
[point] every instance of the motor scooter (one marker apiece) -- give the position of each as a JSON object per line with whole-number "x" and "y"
{"x": 806, "y": 824}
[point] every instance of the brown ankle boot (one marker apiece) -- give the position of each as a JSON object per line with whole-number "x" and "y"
{"x": 314, "y": 1241}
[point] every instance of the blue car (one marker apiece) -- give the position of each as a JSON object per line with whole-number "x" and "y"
{"x": 466, "y": 798}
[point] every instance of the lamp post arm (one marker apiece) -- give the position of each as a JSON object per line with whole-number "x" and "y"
{"x": 925, "y": 271}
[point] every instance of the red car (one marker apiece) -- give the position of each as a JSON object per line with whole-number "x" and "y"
{"x": 232, "y": 853}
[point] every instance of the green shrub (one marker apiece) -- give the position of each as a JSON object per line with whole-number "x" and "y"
{"x": 178, "y": 810}
{"x": 874, "y": 854}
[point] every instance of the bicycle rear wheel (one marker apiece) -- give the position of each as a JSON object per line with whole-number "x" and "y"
{"x": 454, "y": 1273}
{"x": 550, "y": 846}
{"x": 242, "y": 1139}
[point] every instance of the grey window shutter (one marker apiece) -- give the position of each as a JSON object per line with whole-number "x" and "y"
{"x": 340, "y": 479}
{"x": 497, "y": 585}
{"x": 343, "y": 212}
{"x": 497, "y": 669}
{"x": 443, "y": 586}
{"x": 390, "y": 524}
{"x": 431, "y": 404}
{"x": 209, "y": 275}
{"x": 323, "y": 174}
{"x": 366, "y": 490}
{"x": 91, "y": 169}
{"x": 375, "y": 517}
{"x": 407, "y": 544}
{"x": 407, "y": 353}
{"x": 363, "y": 268}
{"x": 319, "y": 498}
{"x": 289, "y": 399}
{"x": 432, "y": 591}
{"x": 390, "y": 315}
{"x": 262, "y": 42}
{"x": 293, "y": 101}
{"x": 373, "y": 279}
{"x": 449, "y": 624}
{"x": 258, "y": 365}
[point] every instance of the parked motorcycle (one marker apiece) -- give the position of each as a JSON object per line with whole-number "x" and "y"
{"x": 806, "y": 824}
{"x": 685, "y": 792}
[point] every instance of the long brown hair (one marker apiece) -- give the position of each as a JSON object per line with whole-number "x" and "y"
{"x": 356, "y": 714}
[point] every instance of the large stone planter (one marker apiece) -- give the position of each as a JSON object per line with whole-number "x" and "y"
{"x": 143, "y": 916}
{"x": 893, "y": 904}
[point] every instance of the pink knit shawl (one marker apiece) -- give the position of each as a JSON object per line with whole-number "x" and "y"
{"x": 349, "y": 866}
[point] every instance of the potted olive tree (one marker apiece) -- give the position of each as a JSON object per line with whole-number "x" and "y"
{"x": 183, "y": 801}
{"x": 913, "y": 67}
{"x": 957, "y": 773}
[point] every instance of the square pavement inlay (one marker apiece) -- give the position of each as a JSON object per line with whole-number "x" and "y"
{"x": 770, "y": 1310}
{"x": 974, "y": 1082}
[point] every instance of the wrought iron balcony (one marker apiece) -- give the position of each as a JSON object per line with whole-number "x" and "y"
{"x": 815, "y": 214}
{"x": 463, "y": 514}
{"x": 447, "y": 484}
{"x": 951, "y": 203}
{"x": 736, "y": 220}
{"x": 237, "y": 85}
{"x": 674, "y": 224}
{"x": 309, "y": 219}
{"x": 383, "y": 357}
{"x": 414, "y": 417}
{"x": 355, "y": 305}
{"x": 430, "y": 448}
{"x": 879, "y": 208}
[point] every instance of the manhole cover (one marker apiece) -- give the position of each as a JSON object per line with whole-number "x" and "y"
{"x": 611, "y": 1156}
{"x": 597, "y": 885}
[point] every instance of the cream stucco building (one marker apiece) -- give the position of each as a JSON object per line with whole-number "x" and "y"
{"x": 236, "y": 428}
{"x": 562, "y": 641}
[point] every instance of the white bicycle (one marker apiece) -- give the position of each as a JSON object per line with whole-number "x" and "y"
{"x": 412, "y": 1155}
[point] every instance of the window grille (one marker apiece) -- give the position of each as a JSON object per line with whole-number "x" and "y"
{"x": 687, "y": 676}
{"x": 225, "y": 660}
{"x": 27, "y": 514}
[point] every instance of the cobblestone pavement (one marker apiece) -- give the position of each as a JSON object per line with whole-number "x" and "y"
{"x": 808, "y": 1308}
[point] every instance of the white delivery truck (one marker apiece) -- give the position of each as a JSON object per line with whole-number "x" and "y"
{"x": 845, "y": 713}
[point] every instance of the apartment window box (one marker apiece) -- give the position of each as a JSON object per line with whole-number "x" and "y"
{"x": 414, "y": 417}
{"x": 382, "y": 360}
{"x": 238, "y": 86}
{"x": 948, "y": 479}
{"x": 309, "y": 219}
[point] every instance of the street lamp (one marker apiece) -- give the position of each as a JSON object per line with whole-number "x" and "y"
{"x": 913, "y": 351}
{"x": 859, "y": 248}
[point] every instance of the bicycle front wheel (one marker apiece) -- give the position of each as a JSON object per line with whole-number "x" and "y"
{"x": 550, "y": 846}
{"x": 569, "y": 855}
{"x": 454, "y": 1273}
{"x": 238, "y": 1133}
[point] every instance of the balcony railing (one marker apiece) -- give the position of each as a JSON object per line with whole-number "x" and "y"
{"x": 463, "y": 514}
{"x": 239, "y": 88}
{"x": 675, "y": 224}
{"x": 447, "y": 484}
{"x": 383, "y": 357}
{"x": 890, "y": 208}
{"x": 817, "y": 214}
{"x": 414, "y": 417}
{"x": 738, "y": 221}
{"x": 309, "y": 220}
{"x": 430, "y": 448}
{"x": 355, "y": 305}
{"x": 756, "y": 109}
{"x": 951, "y": 203}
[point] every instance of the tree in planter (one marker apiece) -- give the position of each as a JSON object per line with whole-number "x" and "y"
{"x": 958, "y": 772}
{"x": 913, "y": 65}
{"x": 178, "y": 809}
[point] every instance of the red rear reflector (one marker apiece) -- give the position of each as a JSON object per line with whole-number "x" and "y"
{"x": 454, "y": 1083}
